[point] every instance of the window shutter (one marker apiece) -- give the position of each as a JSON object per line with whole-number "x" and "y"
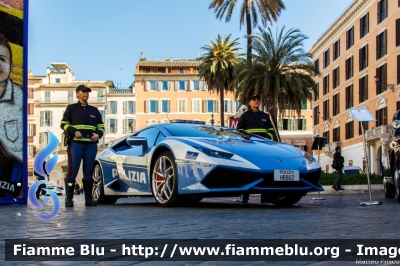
{"x": 377, "y": 84}
{"x": 216, "y": 106}
{"x": 384, "y": 75}
{"x": 386, "y": 8}
{"x": 116, "y": 107}
{"x": 134, "y": 107}
{"x": 385, "y": 40}
{"x": 398, "y": 69}
{"x": 204, "y": 106}
{"x": 124, "y": 107}
{"x": 360, "y": 58}
{"x": 296, "y": 124}
{"x": 398, "y": 32}
{"x": 289, "y": 124}
{"x": 190, "y": 85}
{"x": 201, "y": 84}
{"x": 146, "y": 110}
{"x": 280, "y": 125}
{"x": 107, "y": 108}
{"x": 366, "y": 55}
{"x": 377, "y": 47}
{"x": 159, "y": 85}
{"x": 116, "y": 126}
{"x": 146, "y": 85}
{"x": 51, "y": 119}
{"x": 176, "y": 85}
{"x": 157, "y": 107}
{"x": 107, "y": 128}
{"x": 205, "y": 86}
{"x": 125, "y": 122}
{"x": 304, "y": 124}
{"x": 169, "y": 106}
{"x": 367, "y": 22}
{"x": 379, "y": 11}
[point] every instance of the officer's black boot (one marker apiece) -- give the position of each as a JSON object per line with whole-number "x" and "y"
{"x": 245, "y": 198}
{"x": 87, "y": 187}
{"x": 263, "y": 198}
{"x": 69, "y": 193}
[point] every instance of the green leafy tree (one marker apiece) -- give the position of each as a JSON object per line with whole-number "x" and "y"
{"x": 250, "y": 13}
{"x": 217, "y": 66}
{"x": 281, "y": 72}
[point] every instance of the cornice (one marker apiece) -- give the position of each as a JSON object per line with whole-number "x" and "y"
{"x": 339, "y": 24}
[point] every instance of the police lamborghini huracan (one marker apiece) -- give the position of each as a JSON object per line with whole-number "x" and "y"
{"x": 183, "y": 162}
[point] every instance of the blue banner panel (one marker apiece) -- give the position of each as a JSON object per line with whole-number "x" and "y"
{"x": 13, "y": 88}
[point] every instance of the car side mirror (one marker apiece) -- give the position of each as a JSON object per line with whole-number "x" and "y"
{"x": 137, "y": 141}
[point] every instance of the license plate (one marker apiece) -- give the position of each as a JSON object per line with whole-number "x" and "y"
{"x": 286, "y": 175}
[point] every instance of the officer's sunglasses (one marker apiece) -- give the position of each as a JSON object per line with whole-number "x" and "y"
{"x": 256, "y": 99}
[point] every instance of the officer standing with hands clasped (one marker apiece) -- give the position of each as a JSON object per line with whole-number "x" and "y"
{"x": 84, "y": 126}
{"x": 255, "y": 122}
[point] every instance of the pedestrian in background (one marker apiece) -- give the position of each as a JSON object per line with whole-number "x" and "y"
{"x": 338, "y": 164}
{"x": 84, "y": 126}
{"x": 258, "y": 123}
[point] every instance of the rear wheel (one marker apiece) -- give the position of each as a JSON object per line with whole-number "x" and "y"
{"x": 284, "y": 199}
{"x": 164, "y": 181}
{"x": 98, "y": 188}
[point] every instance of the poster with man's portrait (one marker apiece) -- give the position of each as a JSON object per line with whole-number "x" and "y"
{"x": 13, "y": 41}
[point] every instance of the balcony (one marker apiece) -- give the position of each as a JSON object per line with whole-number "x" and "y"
{"x": 378, "y": 132}
{"x": 66, "y": 100}
{"x": 330, "y": 147}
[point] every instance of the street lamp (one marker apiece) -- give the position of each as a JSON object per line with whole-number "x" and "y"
{"x": 389, "y": 86}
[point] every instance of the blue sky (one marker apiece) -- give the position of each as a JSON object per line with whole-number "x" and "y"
{"x": 98, "y": 38}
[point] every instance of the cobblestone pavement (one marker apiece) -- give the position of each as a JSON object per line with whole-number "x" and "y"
{"x": 339, "y": 216}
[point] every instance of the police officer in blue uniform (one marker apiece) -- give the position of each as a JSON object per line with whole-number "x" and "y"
{"x": 84, "y": 126}
{"x": 255, "y": 122}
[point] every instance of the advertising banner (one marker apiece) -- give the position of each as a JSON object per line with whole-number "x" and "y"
{"x": 13, "y": 87}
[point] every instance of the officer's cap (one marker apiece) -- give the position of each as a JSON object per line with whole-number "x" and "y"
{"x": 254, "y": 96}
{"x": 83, "y": 88}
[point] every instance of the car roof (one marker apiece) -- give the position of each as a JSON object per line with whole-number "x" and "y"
{"x": 351, "y": 167}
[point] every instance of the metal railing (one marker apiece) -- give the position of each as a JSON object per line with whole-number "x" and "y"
{"x": 377, "y": 132}
{"x": 70, "y": 100}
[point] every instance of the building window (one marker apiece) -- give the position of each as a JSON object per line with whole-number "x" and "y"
{"x": 153, "y": 106}
{"x": 31, "y": 109}
{"x": 326, "y": 58}
{"x": 181, "y": 85}
{"x": 381, "y": 45}
{"x": 210, "y": 106}
{"x": 165, "y": 85}
{"x": 364, "y": 25}
{"x": 227, "y": 106}
{"x": 381, "y": 117}
{"x": 152, "y": 85}
{"x": 129, "y": 125}
{"x": 363, "y": 89}
{"x": 350, "y": 38}
{"x": 181, "y": 106}
{"x": 336, "y": 50}
{"x": 47, "y": 96}
{"x": 382, "y": 10}
{"x": 349, "y": 68}
{"x": 327, "y": 135}
{"x": 398, "y": 31}
{"x": 31, "y": 93}
{"x": 336, "y": 134}
{"x": 381, "y": 77}
{"x": 71, "y": 96}
{"x": 365, "y": 125}
{"x": 31, "y": 151}
{"x": 43, "y": 139}
{"x": 326, "y": 110}
{"x": 326, "y": 84}
{"x": 31, "y": 132}
{"x": 46, "y": 118}
{"x": 335, "y": 77}
{"x": 304, "y": 103}
{"x": 161, "y": 70}
{"x": 349, "y": 96}
{"x": 316, "y": 95}
{"x": 316, "y": 115}
{"x": 350, "y": 130}
{"x": 316, "y": 64}
{"x": 363, "y": 57}
{"x": 129, "y": 107}
{"x": 58, "y": 80}
{"x": 165, "y": 106}
{"x": 102, "y": 114}
{"x": 181, "y": 70}
{"x": 398, "y": 69}
{"x": 146, "y": 70}
{"x": 112, "y": 107}
{"x": 285, "y": 124}
{"x": 336, "y": 104}
{"x": 196, "y": 85}
{"x": 300, "y": 124}
{"x": 196, "y": 106}
{"x": 111, "y": 126}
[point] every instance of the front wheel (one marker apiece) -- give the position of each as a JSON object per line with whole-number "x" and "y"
{"x": 284, "y": 200}
{"x": 164, "y": 180}
{"x": 98, "y": 188}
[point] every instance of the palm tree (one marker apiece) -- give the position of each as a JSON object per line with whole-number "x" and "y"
{"x": 217, "y": 66}
{"x": 282, "y": 72}
{"x": 250, "y": 11}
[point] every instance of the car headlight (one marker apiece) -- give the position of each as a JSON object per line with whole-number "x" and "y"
{"x": 214, "y": 153}
{"x": 309, "y": 157}
{"x": 396, "y": 124}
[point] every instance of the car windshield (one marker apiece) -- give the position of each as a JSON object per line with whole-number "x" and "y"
{"x": 352, "y": 171}
{"x": 185, "y": 130}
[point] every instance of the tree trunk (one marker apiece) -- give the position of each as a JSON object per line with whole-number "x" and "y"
{"x": 248, "y": 25}
{"x": 221, "y": 104}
